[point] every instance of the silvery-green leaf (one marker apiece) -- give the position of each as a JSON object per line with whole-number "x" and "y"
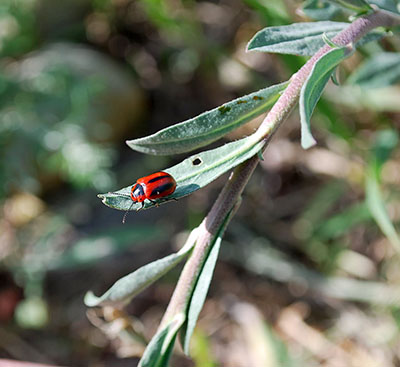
{"x": 313, "y": 87}
{"x": 380, "y": 70}
{"x": 159, "y": 350}
{"x": 124, "y": 289}
{"x": 303, "y": 39}
{"x": 193, "y": 173}
{"x": 208, "y": 126}
{"x": 320, "y": 10}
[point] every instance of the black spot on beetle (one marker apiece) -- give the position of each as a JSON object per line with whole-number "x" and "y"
{"x": 161, "y": 188}
{"x": 155, "y": 179}
{"x": 224, "y": 109}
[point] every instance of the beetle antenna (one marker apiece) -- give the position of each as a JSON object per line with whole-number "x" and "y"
{"x": 126, "y": 213}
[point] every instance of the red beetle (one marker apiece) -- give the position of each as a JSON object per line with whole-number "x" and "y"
{"x": 154, "y": 186}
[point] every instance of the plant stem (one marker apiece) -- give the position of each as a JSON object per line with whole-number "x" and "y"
{"x": 242, "y": 173}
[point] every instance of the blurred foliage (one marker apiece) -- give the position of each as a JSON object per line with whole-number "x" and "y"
{"x": 78, "y": 78}
{"x": 19, "y": 33}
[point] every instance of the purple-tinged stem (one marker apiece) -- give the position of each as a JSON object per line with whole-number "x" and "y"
{"x": 242, "y": 173}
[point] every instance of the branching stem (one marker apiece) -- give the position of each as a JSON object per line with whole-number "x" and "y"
{"x": 242, "y": 173}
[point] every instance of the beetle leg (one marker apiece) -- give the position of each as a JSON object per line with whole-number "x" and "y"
{"x": 140, "y": 207}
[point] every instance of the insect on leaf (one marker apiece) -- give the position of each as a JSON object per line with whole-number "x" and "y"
{"x": 193, "y": 173}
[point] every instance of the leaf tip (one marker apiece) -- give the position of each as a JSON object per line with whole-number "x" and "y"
{"x": 131, "y": 143}
{"x": 328, "y": 41}
{"x": 250, "y": 45}
{"x": 308, "y": 143}
{"x": 90, "y": 299}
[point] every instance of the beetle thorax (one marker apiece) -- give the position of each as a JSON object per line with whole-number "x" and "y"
{"x": 137, "y": 193}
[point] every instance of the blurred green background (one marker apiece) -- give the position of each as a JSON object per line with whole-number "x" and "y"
{"x": 306, "y": 277}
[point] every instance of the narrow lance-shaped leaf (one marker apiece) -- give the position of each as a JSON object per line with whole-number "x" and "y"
{"x": 391, "y": 5}
{"x": 194, "y": 172}
{"x": 202, "y": 284}
{"x": 380, "y": 70}
{"x": 359, "y": 6}
{"x": 313, "y": 87}
{"x": 327, "y": 9}
{"x": 159, "y": 349}
{"x": 303, "y": 39}
{"x": 200, "y": 293}
{"x": 320, "y": 10}
{"x": 386, "y": 141}
{"x": 130, "y": 285}
{"x": 208, "y": 126}
{"x": 376, "y": 205}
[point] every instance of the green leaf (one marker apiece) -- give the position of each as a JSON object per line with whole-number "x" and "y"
{"x": 107, "y": 243}
{"x": 194, "y": 172}
{"x": 159, "y": 350}
{"x": 320, "y": 10}
{"x": 380, "y": 70}
{"x": 203, "y": 281}
{"x": 385, "y": 142}
{"x": 303, "y": 39}
{"x": 343, "y": 222}
{"x": 390, "y": 5}
{"x": 359, "y": 99}
{"x": 378, "y": 210}
{"x": 329, "y": 42}
{"x": 209, "y": 126}
{"x": 313, "y": 87}
{"x": 200, "y": 292}
{"x": 201, "y": 351}
{"x": 359, "y": 6}
{"x": 273, "y": 12}
{"x": 130, "y": 285}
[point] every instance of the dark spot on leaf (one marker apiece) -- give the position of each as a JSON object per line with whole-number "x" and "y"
{"x": 258, "y": 98}
{"x": 241, "y": 101}
{"x": 197, "y": 161}
{"x": 224, "y": 109}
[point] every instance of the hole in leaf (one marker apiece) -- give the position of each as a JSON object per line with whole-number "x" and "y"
{"x": 197, "y": 161}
